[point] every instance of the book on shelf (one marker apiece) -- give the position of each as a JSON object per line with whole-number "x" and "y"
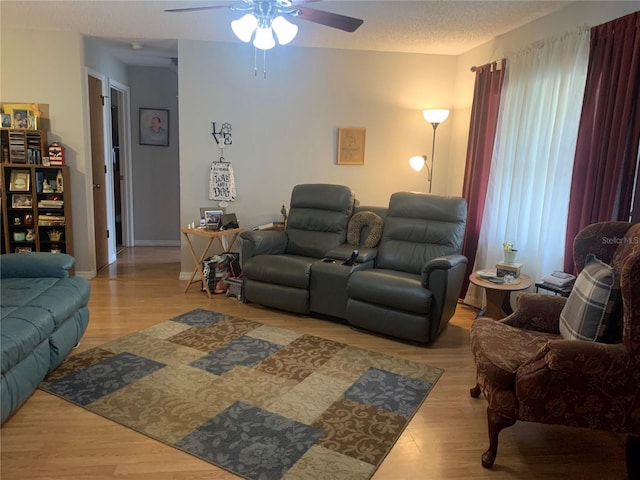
{"x": 50, "y": 220}
{"x": 51, "y": 203}
{"x": 51, "y": 223}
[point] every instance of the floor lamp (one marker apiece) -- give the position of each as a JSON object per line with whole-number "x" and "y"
{"x": 435, "y": 118}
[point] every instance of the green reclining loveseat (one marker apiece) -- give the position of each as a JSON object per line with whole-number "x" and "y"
{"x": 405, "y": 285}
{"x": 43, "y": 315}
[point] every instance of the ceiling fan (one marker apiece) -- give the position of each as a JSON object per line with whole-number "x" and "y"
{"x": 264, "y": 17}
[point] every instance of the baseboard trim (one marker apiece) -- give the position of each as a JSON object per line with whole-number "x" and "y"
{"x": 86, "y": 275}
{"x": 156, "y": 243}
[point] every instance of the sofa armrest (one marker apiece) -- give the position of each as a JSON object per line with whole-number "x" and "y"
{"x": 443, "y": 277}
{"x": 580, "y": 357}
{"x": 263, "y": 242}
{"x": 537, "y": 312}
{"x": 440, "y": 264}
{"x": 35, "y": 265}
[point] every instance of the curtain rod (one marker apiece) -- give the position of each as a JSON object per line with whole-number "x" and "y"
{"x": 498, "y": 64}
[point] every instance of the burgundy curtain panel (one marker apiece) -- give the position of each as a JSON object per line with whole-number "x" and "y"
{"x": 482, "y": 134}
{"x": 604, "y": 168}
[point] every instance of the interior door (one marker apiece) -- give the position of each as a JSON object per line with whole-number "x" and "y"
{"x": 98, "y": 172}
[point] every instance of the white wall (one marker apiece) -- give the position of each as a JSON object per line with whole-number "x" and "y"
{"x": 48, "y": 67}
{"x": 155, "y": 169}
{"x": 285, "y": 126}
{"x": 98, "y": 58}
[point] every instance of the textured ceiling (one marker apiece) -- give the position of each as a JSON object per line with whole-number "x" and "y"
{"x": 432, "y": 27}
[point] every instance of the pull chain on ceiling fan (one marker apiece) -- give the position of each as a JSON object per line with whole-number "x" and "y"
{"x": 265, "y": 17}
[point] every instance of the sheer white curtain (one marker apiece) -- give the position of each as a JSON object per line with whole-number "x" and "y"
{"x": 530, "y": 178}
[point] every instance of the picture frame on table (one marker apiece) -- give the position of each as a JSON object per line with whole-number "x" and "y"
{"x": 21, "y": 201}
{"x": 19, "y": 181}
{"x": 154, "y": 127}
{"x": 6, "y": 120}
{"x": 351, "y": 146}
{"x": 212, "y": 216}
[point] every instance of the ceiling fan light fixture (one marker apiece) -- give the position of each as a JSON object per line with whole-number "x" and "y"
{"x": 264, "y": 39}
{"x": 285, "y": 30}
{"x": 244, "y": 27}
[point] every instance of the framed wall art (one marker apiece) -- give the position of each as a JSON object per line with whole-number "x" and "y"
{"x": 351, "y": 146}
{"x": 19, "y": 181}
{"x": 154, "y": 127}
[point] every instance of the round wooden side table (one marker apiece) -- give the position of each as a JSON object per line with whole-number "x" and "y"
{"x": 499, "y": 294}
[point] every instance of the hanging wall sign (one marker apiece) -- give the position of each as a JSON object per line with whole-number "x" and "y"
{"x": 222, "y": 184}
{"x": 222, "y": 135}
{"x": 221, "y": 181}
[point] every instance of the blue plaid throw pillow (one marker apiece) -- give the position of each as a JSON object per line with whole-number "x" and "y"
{"x": 584, "y": 312}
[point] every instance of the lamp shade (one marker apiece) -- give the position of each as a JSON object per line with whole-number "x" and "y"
{"x": 244, "y": 27}
{"x": 417, "y": 162}
{"x": 264, "y": 39}
{"x": 285, "y": 30}
{"x": 435, "y": 116}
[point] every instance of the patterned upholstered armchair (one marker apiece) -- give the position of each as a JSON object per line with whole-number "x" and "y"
{"x": 528, "y": 370}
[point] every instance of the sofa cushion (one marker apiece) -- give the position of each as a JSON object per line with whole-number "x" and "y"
{"x": 61, "y": 297}
{"x": 583, "y": 315}
{"x": 318, "y": 219}
{"x": 420, "y": 227}
{"x": 16, "y": 292}
{"x": 23, "y": 329}
{"x": 17, "y": 384}
{"x": 399, "y": 290}
{"x": 288, "y": 270}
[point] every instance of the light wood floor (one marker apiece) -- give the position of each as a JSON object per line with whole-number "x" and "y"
{"x": 49, "y": 438}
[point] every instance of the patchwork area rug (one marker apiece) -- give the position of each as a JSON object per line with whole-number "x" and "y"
{"x": 263, "y": 402}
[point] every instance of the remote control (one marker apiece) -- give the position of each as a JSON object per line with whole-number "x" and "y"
{"x": 352, "y": 258}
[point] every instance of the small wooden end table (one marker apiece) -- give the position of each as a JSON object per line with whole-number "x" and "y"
{"x": 225, "y": 239}
{"x": 499, "y": 294}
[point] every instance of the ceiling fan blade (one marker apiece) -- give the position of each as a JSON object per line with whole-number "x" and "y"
{"x": 194, "y": 9}
{"x": 335, "y": 20}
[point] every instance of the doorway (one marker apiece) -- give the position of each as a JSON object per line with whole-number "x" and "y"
{"x": 110, "y": 166}
{"x": 118, "y": 176}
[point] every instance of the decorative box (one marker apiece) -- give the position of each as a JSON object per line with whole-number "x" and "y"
{"x": 503, "y": 268}
{"x": 56, "y": 154}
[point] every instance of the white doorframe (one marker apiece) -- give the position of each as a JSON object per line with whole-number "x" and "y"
{"x": 124, "y": 123}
